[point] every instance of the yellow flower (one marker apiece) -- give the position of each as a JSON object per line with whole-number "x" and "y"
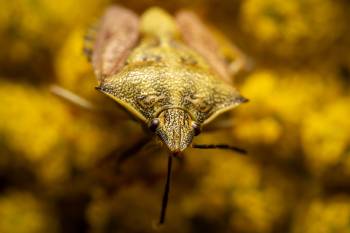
{"x": 323, "y": 216}
{"x": 41, "y": 129}
{"x": 21, "y": 212}
{"x": 326, "y": 135}
{"x": 32, "y": 121}
{"x": 72, "y": 67}
{"x": 291, "y": 27}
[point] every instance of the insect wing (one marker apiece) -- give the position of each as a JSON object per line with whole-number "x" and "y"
{"x": 117, "y": 35}
{"x": 198, "y": 37}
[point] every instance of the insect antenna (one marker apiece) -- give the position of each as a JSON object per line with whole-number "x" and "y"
{"x": 220, "y": 146}
{"x": 166, "y": 192}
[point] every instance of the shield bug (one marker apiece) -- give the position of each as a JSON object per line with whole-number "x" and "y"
{"x": 168, "y": 72}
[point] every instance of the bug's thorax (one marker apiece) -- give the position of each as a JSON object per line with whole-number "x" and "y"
{"x": 175, "y": 129}
{"x": 162, "y": 77}
{"x": 161, "y": 44}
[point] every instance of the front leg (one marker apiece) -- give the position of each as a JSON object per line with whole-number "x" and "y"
{"x": 87, "y": 105}
{"x": 72, "y": 97}
{"x": 118, "y": 156}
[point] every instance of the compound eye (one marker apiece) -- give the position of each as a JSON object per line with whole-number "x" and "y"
{"x": 196, "y": 128}
{"x": 154, "y": 124}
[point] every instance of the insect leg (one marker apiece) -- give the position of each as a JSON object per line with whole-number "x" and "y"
{"x": 85, "y": 104}
{"x": 72, "y": 97}
{"x": 219, "y": 146}
{"x": 115, "y": 158}
{"x": 126, "y": 154}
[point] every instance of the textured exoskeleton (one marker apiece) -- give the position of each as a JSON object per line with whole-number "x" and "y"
{"x": 167, "y": 72}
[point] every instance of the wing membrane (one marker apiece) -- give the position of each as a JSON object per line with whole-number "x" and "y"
{"x": 117, "y": 35}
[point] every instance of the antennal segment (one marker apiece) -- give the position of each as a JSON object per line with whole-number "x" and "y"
{"x": 166, "y": 192}
{"x": 220, "y": 146}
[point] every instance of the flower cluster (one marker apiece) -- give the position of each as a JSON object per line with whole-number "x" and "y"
{"x": 59, "y": 169}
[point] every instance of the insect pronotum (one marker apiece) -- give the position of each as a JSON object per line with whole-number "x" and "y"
{"x": 168, "y": 72}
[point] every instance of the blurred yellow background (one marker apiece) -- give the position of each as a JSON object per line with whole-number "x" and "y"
{"x": 296, "y": 177}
